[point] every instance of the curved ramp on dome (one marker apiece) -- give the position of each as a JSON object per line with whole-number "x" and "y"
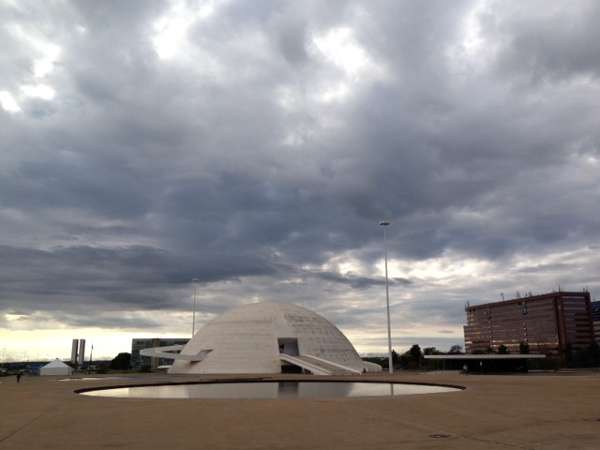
{"x": 264, "y": 337}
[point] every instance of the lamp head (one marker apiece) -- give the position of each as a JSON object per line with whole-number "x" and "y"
{"x": 384, "y": 223}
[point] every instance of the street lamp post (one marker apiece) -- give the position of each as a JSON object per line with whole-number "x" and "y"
{"x": 194, "y": 281}
{"x": 385, "y": 224}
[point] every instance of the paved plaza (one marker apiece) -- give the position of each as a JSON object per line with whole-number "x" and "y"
{"x": 536, "y": 411}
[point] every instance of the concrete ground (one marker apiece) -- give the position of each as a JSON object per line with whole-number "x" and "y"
{"x": 541, "y": 412}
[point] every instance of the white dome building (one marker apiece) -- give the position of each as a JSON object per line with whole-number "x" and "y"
{"x": 269, "y": 338}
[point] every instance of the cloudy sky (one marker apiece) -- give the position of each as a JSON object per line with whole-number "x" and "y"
{"x": 256, "y": 145}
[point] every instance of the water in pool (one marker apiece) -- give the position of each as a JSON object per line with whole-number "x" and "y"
{"x": 271, "y": 390}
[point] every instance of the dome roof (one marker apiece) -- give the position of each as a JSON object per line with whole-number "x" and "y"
{"x": 261, "y": 337}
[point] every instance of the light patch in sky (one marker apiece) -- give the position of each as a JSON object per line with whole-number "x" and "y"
{"x": 345, "y": 264}
{"x": 42, "y": 91}
{"x": 12, "y": 317}
{"x": 442, "y": 268}
{"x": 473, "y": 41}
{"x": 374, "y": 340}
{"x": 338, "y": 46}
{"x": 338, "y": 92}
{"x": 577, "y": 256}
{"x": 8, "y": 102}
{"x": 36, "y": 337}
{"x": 56, "y": 343}
{"x": 171, "y": 29}
{"x": 45, "y": 65}
{"x": 471, "y": 51}
{"x": 47, "y": 52}
{"x": 293, "y": 139}
{"x": 11, "y": 3}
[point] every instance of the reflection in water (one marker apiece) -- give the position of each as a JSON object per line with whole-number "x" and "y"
{"x": 266, "y": 390}
{"x": 92, "y": 379}
{"x": 287, "y": 389}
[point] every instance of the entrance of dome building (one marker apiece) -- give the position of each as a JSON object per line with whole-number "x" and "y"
{"x": 289, "y": 346}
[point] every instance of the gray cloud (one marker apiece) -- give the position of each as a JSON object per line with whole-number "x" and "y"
{"x": 545, "y": 44}
{"x": 473, "y": 128}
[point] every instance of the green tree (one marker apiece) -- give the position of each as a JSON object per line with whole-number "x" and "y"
{"x": 406, "y": 361}
{"x": 395, "y": 358}
{"x": 594, "y": 352}
{"x": 523, "y": 348}
{"x": 415, "y": 352}
{"x": 503, "y": 349}
{"x": 121, "y": 362}
{"x": 416, "y": 356}
{"x": 455, "y": 349}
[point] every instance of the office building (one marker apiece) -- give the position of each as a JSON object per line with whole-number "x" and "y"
{"x": 551, "y": 323}
{"x": 81, "y": 352}
{"x": 74, "y": 351}
{"x": 596, "y": 320}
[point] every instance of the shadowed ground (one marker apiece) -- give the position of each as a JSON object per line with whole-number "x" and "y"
{"x": 541, "y": 412}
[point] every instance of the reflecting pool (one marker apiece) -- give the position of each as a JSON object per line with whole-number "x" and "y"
{"x": 271, "y": 390}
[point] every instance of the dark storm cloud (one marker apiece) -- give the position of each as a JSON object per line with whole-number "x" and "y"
{"x": 67, "y": 184}
{"x": 357, "y": 282}
{"x": 135, "y": 277}
{"x": 47, "y": 319}
{"x": 543, "y": 47}
{"x": 472, "y": 126}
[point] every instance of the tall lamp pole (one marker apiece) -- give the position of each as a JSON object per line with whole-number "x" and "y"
{"x": 385, "y": 224}
{"x": 194, "y": 281}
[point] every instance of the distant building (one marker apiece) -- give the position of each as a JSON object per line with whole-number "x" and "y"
{"x": 81, "y": 352}
{"x": 138, "y": 361}
{"x": 74, "y": 351}
{"x": 77, "y": 352}
{"x": 549, "y": 323}
{"x": 596, "y": 320}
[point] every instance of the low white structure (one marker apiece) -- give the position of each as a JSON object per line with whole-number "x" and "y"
{"x": 267, "y": 338}
{"x": 56, "y": 367}
{"x": 492, "y": 356}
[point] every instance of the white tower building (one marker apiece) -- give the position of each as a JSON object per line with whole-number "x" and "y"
{"x": 74, "y": 350}
{"x": 81, "y": 354}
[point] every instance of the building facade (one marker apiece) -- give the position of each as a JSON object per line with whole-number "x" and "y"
{"x": 81, "y": 352}
{"x": 138, "y": 361}
{"x": 550, "y": 323}
{"x": 74, "y": 351}
{"x": 596, "y": 320}
{"x": 270, "y": 338}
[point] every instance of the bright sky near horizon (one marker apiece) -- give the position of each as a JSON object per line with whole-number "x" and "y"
{"x": 256, "y": 145}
